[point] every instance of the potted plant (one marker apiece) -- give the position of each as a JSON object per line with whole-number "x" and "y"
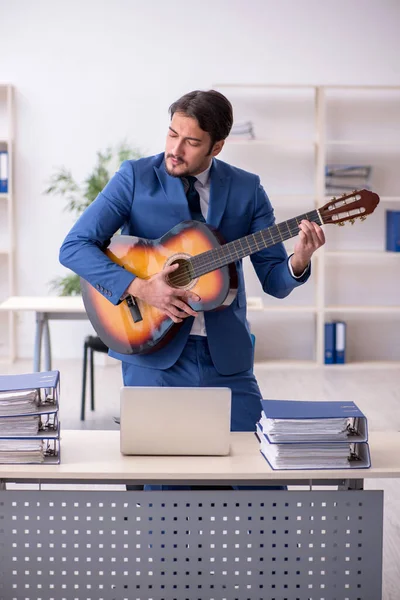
{"x": 78, "y": 197}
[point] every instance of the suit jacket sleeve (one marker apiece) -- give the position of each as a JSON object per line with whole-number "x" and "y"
{"x": 271, "y": 264}
{"x": 82, "y": 251}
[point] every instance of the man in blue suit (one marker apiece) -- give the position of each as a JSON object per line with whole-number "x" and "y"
{"x": 149, "y": 196}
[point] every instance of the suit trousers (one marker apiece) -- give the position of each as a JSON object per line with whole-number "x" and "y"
{"x": 194, "y": 368}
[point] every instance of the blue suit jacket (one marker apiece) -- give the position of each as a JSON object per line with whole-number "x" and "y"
{"x": 143, "y": 200}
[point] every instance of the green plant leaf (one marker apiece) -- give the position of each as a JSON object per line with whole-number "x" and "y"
{"x": 67, "y": 286}
{"x": 79, "y": 196}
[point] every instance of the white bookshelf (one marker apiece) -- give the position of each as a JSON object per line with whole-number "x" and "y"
{"x": 7, "y": 226}
{"x": 298, "y": 130}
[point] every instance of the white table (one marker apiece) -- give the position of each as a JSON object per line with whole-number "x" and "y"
{"x": 93, "y": 455}
{"x": 70, "y": 308}
{"x": 244, "y": 544}
{"x": 46, "y": 308}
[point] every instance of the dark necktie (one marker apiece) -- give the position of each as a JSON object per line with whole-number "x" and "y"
{"x": 193, "y": 199}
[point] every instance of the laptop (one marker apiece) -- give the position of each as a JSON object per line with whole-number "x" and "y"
{"x": 175, "y": 421}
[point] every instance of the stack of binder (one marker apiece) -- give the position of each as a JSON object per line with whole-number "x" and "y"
{"x": 313, "y": 435}
{"x": 29, "y": 424}
{"x": 341, "y": 179}
{"x": 242, "y": 130}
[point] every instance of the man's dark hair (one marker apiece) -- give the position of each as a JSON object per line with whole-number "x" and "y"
{"x": 211, "y": 109}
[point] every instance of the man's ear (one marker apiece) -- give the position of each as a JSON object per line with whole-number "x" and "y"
{"x": 217, "y": 147}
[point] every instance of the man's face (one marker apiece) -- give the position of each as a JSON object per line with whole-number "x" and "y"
{"x": 188, "y": 148}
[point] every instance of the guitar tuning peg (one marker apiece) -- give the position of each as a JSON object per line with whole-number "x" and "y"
{"x": 352, "y": 221}
{"x": 363, "y": 218}
{"x": 341, "y": 224}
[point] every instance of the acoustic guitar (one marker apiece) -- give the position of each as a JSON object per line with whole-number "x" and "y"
{"x": 206, "y": 266}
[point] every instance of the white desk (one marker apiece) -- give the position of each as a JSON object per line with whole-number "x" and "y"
{"x": 46, "y": 308}
{"x": 70, "y": 308}
{"x": 202, "y": 544}
{"x": 92, "y": 455}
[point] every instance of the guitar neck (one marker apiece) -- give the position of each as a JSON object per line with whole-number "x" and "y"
{"x": 233, "y": 251}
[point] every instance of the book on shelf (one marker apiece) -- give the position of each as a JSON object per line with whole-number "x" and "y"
{"x": 313, "y": 435}
{"x": 3, "y": 171}
{"x": 339, "y": 187}
{"x": 345, "y": 171}
{"x": 29, "y": 424}
{"x": 343, "y": 178}
{"x": 242, "y": 130}
{"x": 330, "y": 342}
{"x": 335, "y": 342}
{"x": 393, "y": 230}
{"x": 340, "y": 342}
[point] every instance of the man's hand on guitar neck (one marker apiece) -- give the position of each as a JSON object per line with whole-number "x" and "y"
{"x": 156, "y": 292}
{"x": 311, "y": 237}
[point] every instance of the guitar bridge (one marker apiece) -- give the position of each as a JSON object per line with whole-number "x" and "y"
{"x": 134, "y": 309}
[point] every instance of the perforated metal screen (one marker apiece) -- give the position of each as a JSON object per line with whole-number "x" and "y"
{"x": 194, "y": 545}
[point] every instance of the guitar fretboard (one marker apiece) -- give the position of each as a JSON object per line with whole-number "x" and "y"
{"x": 233, "y": 251}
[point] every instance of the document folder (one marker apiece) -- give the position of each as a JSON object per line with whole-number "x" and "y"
{"x": 29, "y": 393}
{"x": 26, "y": 381}
{"x": 30, "y": 450}
{"x": 314, "y": 456}
{"x": 41, "y": 426}
{"x": 288, "y": 421}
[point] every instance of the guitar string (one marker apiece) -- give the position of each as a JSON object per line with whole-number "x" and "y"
{"x": 229, "y": 250}
{"x": 220, "y": 257}
{"x": 202, "y": 261}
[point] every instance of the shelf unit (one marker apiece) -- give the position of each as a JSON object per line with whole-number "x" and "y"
{"x": 7, "y": 226}
{"x": 299, "y": 129}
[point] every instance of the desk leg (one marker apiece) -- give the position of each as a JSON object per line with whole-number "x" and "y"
{"x": 47, "y": 345}
{"x": 38, "y": 341}
{"x": 2, "y": 485}
{"x": 352, "y": 484}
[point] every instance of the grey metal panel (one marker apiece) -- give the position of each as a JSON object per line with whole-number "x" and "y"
{"x": 195, "y": 545}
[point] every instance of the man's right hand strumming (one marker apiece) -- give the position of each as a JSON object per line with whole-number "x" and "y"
{"x": 157, "y": 292}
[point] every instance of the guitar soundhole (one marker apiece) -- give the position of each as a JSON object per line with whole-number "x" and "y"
{"x": 182, "y": 277}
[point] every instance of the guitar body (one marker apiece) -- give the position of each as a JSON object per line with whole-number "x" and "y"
{"x": 115, "y": 325}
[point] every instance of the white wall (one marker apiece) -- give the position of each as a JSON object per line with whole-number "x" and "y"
{"x": 89, "y": 73}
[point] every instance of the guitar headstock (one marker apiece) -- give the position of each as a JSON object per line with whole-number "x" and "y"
{"x": 356, "y": 205}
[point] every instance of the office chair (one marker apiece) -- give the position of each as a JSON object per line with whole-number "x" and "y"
{"x": 92, "y": 344}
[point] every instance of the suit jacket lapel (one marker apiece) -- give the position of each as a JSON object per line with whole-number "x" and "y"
{"x": 174, "y": 192}
{"x": 219, "y": 189}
